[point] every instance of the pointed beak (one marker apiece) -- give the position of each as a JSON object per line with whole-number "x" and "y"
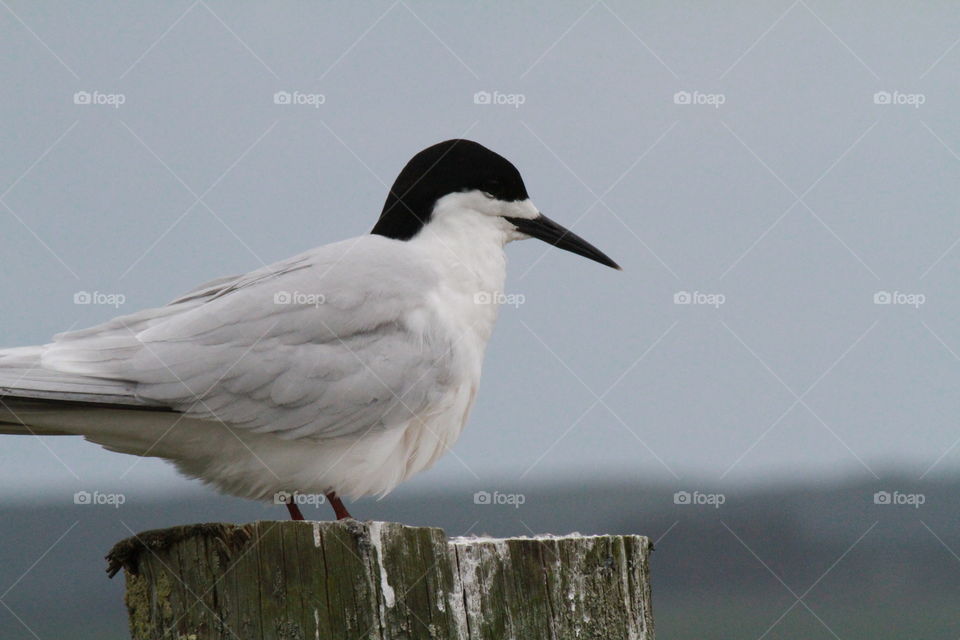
{"x": 550, "y": 232}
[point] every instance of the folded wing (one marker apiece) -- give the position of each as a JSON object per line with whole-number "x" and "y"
{"x": 320, "y": 345}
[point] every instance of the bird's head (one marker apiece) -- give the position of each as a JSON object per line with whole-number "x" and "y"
{"x": 460, "y": 178}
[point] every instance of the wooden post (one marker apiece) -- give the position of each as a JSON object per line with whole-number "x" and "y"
{"x": 347, "y": 579}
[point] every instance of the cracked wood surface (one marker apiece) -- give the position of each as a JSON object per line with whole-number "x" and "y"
{"x": 381, "y": 580}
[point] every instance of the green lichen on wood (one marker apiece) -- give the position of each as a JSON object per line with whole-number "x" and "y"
{"x": 162, "y": 590}
{"x": 306, "y": 580}
{"x": 137, "y": 599}
{"x": 148, "y": 603}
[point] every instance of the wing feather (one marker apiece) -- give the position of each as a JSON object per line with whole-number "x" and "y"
{"x": 316, "y": 346}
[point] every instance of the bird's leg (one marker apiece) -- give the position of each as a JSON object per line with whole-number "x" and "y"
{"x": 338, "y": 507}
{"x": 294, "y": 510}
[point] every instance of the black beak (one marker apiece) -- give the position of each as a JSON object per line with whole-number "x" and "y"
{"x": 550, "y": 232}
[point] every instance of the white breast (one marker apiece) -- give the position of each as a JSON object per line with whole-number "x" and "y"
{"x": 467, "y": 249}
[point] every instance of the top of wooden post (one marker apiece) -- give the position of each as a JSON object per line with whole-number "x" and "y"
{"x": 381, "y": 580}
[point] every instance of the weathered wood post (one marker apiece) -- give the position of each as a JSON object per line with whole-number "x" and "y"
{"x": 324, "y": 580}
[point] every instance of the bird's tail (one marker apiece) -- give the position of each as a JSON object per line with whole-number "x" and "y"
{"x": 21, "y": 375}
{"x": 38, "y": 400}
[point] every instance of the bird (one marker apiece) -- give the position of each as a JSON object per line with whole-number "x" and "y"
{"x": 340, "y": 372}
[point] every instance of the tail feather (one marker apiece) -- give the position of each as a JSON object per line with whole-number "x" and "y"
{"x": 23, "y": 375}
{"x": 30, "y": 394}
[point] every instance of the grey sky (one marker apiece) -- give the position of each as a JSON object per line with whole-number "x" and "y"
{"x": 797, "y": 199}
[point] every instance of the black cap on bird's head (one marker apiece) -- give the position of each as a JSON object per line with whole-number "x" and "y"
{"x": 444, "y": 168}
{"x": 459, "y": 166}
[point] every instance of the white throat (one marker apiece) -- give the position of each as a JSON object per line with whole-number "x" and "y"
{"x": 465, "y": 239}
{"x": 467, "y": 233}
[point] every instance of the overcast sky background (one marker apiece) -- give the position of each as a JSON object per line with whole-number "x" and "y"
{"x": 797, "y": 199}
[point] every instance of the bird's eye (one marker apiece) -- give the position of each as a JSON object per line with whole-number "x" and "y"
{"x": 488, "y": 195}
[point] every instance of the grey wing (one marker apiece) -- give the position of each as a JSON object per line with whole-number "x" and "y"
{"x": 23, "y": 376}
{"x": 318, "y": 346}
